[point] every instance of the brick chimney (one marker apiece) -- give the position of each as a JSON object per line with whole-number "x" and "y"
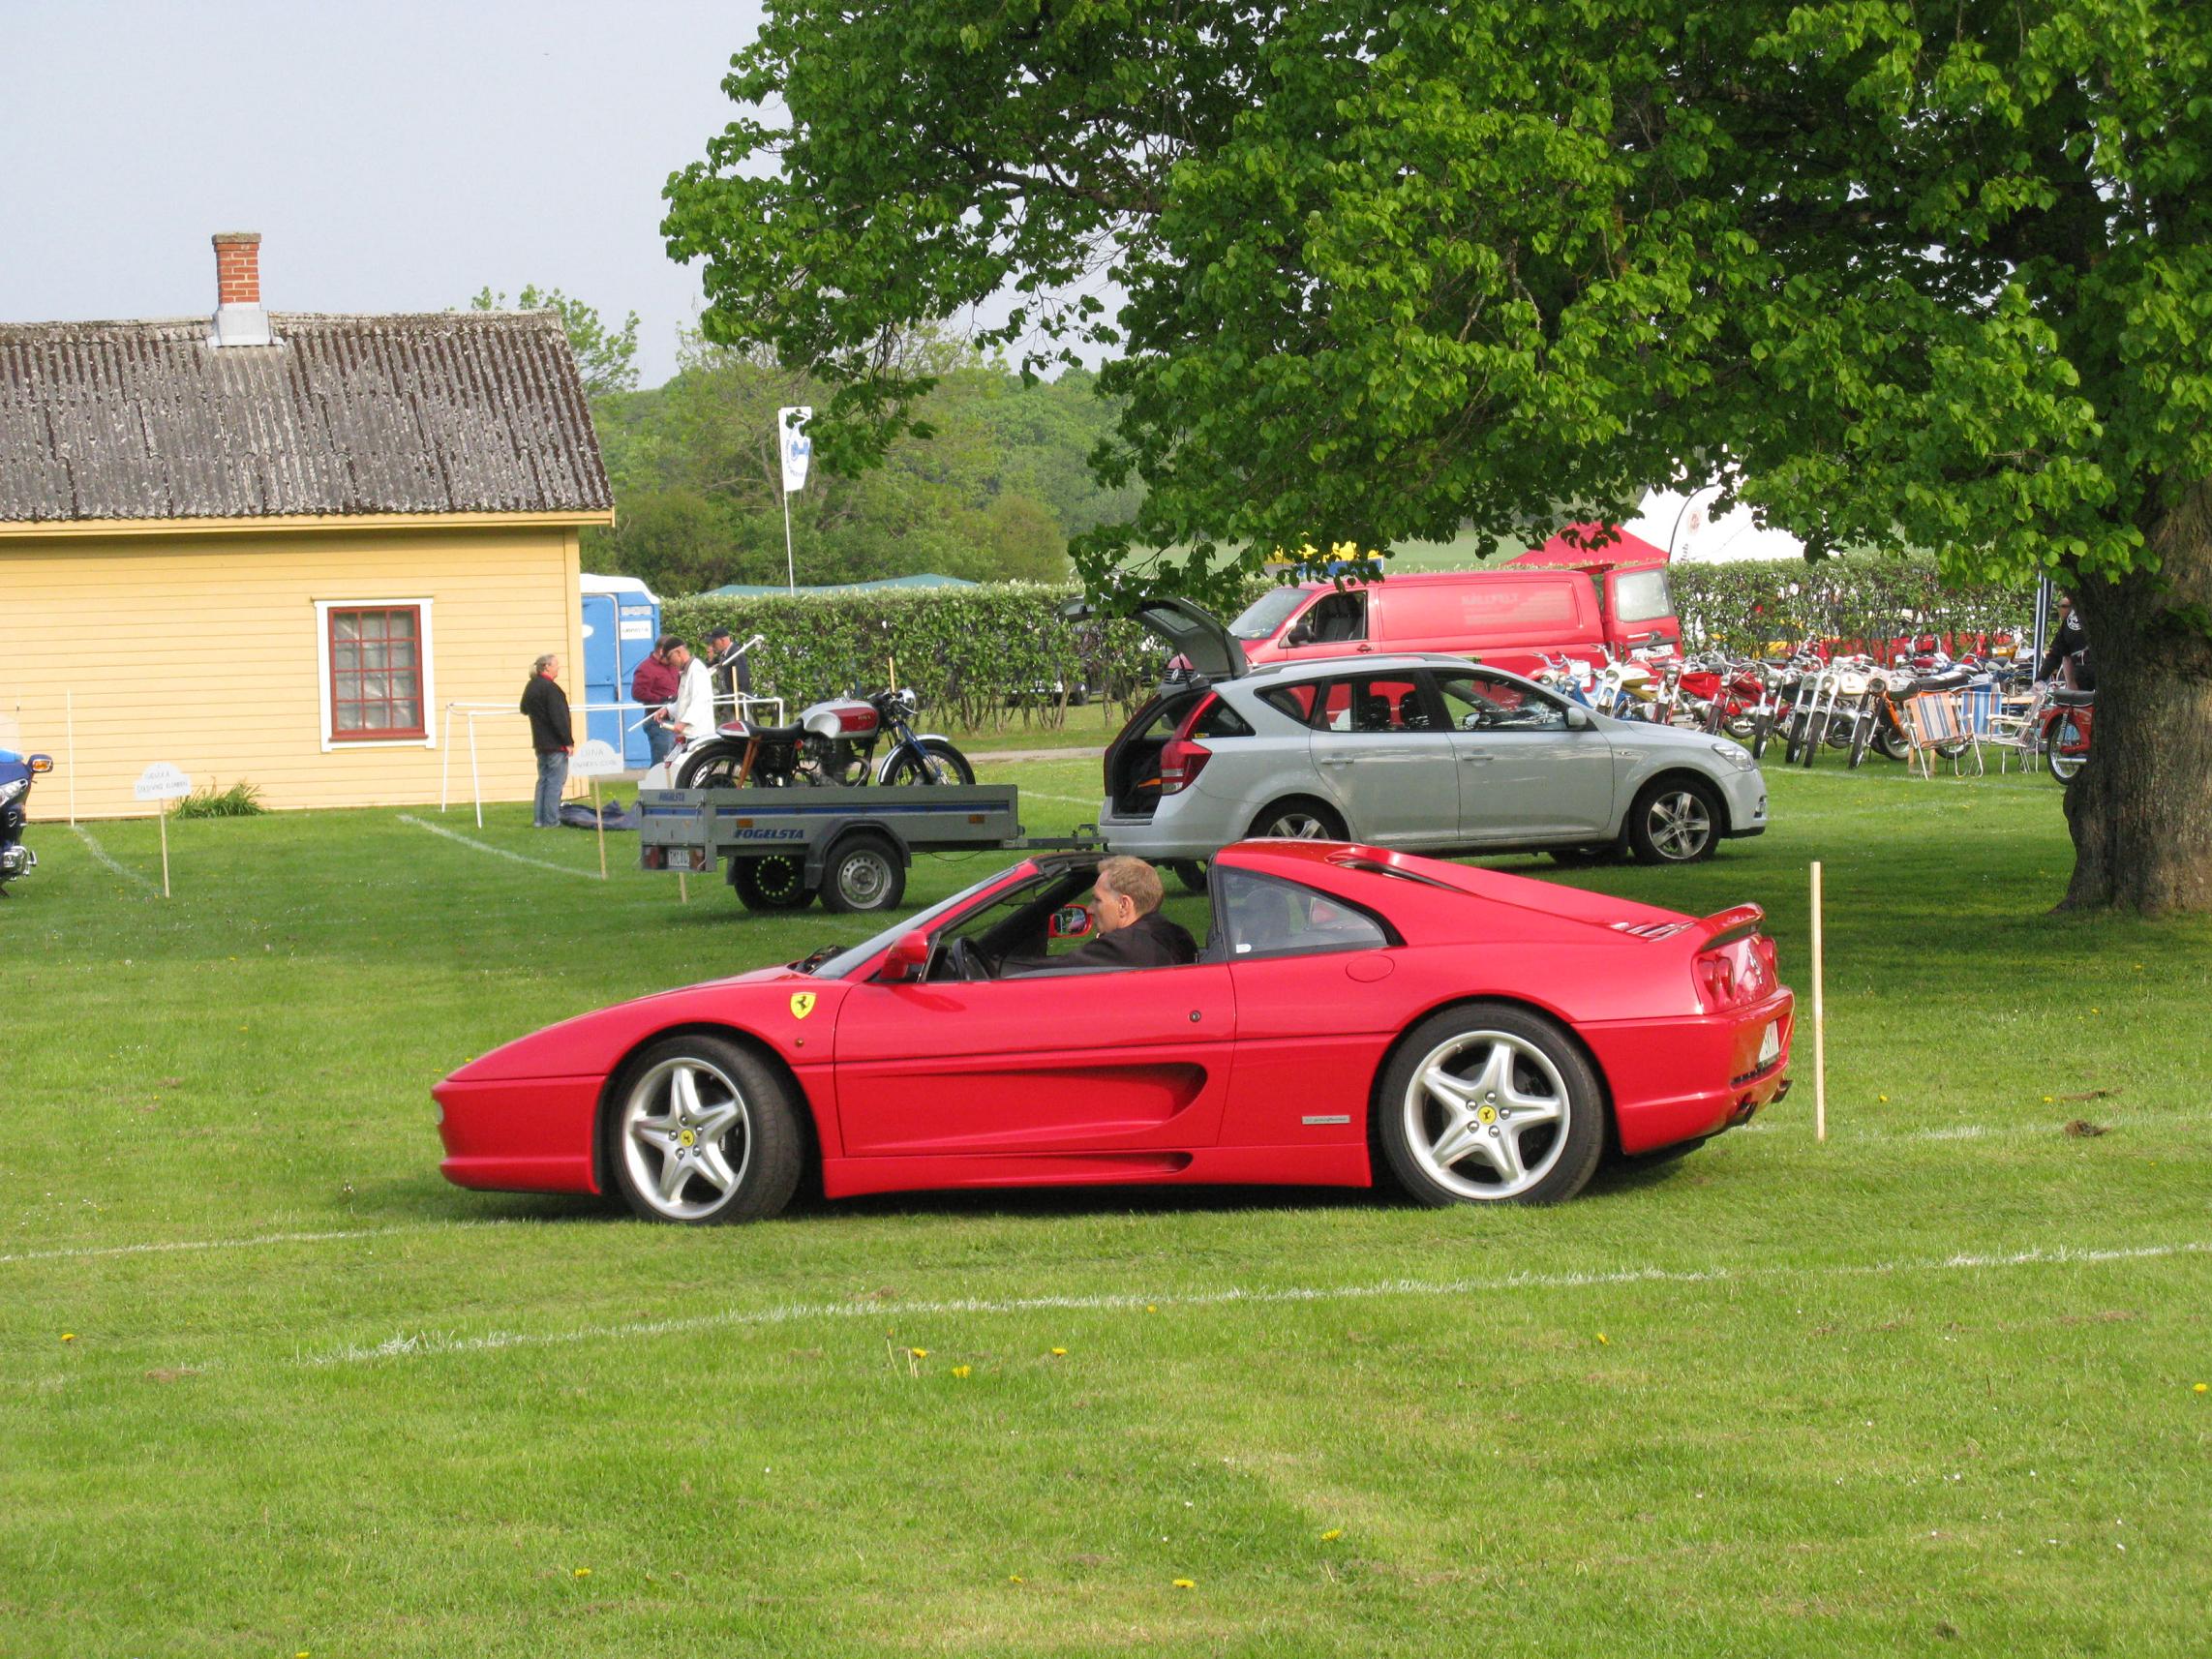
{"x": 239, "y": 319}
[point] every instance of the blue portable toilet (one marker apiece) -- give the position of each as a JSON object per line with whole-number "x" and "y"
{"x": 621, "y": 618}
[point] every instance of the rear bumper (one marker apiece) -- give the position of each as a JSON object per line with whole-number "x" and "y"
{"x": 1685, "y": 1079}
{"x": 523, "y": 1135}
{"x": 1150, "y": 839}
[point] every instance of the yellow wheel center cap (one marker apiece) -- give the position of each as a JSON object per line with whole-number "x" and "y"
{"x": 688, "y": 1137}
{"x": 1486, "y": 1115}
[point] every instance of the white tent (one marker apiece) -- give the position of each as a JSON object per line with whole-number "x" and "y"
{"x": 1687, "y": 527}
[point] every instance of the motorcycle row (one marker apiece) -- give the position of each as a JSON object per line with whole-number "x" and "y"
{"x": 1809, "y": 700}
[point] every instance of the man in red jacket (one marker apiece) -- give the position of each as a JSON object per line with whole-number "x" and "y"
{"x": 654, "y": 685}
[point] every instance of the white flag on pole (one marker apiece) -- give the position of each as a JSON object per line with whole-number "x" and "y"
{"x": 797, "y": 447}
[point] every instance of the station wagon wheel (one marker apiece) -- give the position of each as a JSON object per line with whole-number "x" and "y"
{"x": 1488, "y": 1103}
{"x": 701, "y": 1131}
{"x": 863, "y": 873}
{"x": 1297, "y": 820}
{"x": 1675, "y": 821}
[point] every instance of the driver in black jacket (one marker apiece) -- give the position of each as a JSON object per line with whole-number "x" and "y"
{"x": 1125, "y": 901}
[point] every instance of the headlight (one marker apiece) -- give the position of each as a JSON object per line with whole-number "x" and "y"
{"x": 1737, "y": 755}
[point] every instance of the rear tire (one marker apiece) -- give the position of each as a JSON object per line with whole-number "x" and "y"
{"x": 1300, "y": 818}
{"x": 1191, "y": 872}
{"x": 863, "y": 874}
{"x": 1583, "y": 858}
{"x": 1675, "y": 821}
{"x": 774, "y": 881}
{"x": 1490, "y": 1103}
{"x": 2064, "y": 748}
{"x": 701, "y": 1131}
{"x": 711, "y": 765}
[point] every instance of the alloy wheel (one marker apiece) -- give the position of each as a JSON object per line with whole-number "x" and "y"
{"x": 686, "y": 1138}
{"x": 1486, "y": 1115}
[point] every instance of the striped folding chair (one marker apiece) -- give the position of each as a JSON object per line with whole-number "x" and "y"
{"x": 1936, "y": 723}
{"x": 2017, "y": 731}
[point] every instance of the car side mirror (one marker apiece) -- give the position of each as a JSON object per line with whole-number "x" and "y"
{"x": 1072, "y": 921}
{"x": 1301, "y": 635}
{"x": 1578, "y": 717}
{"x": 908, "y": 959}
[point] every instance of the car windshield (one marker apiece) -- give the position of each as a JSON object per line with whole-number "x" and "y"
{"x": 1267, "y": 612}
{"x": 837, "y": 967}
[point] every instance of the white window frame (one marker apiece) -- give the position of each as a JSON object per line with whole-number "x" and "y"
{"x": 330, "y": 740}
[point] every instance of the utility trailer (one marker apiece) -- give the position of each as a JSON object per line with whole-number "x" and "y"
{"x": 851, "y": 846}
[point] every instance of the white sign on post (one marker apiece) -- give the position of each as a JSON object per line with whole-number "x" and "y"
{"x": 163, "y": 782}
{"x": 595, "y": 758}
{"x": 798, "y": 448}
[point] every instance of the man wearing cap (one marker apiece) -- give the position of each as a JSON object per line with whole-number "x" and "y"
{"x": 654, "y": 686}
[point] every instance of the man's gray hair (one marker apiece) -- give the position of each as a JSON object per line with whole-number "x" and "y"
{"x": 545, "y": 662}
{"x": 1133, "y": 879}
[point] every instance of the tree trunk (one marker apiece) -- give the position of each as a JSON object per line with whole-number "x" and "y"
{"x": 2140, "y": 810}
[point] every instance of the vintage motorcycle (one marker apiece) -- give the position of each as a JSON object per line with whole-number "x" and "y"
{"x": 15, "y": 774}
{"x": 832, "y": 742}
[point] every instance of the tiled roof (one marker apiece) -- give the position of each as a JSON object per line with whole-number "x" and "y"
{"x": 454, "y": 412}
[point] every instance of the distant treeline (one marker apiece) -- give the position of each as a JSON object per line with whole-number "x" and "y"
{"x": 993, "y": 493}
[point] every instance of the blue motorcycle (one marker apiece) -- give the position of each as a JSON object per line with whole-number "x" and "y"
{"x": 15, "y": 774}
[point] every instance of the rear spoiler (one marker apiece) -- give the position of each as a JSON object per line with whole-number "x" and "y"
{"x": 1726, "y": 926}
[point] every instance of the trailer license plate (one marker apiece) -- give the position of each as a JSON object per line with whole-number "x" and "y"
{"x": 1771, "y": 1045}
{"x": 686, "y": 858}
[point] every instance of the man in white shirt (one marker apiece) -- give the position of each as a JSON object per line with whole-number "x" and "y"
{"x": 692, "y": 716}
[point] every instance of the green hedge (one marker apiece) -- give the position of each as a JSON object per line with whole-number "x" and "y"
{"x": 970, "y": 653}
{"x": 1742, "y": 608}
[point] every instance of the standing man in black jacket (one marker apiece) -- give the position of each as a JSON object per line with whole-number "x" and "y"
{"x": 547, "y": 706}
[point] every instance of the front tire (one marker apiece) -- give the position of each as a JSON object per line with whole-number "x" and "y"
{"x": 1191, "y": 872}
{"x": 938, "y": 763}
{"x": 775, "y": 882}
{"x": 701, "y": 1131}
{"x": 1298, "y": 819}
{"x": 1489, "y": 1103}
{"x": 864, "y": 875}
{"x": 1675, "y": 821}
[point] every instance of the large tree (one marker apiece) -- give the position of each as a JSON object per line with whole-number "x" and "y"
{"x": 1890, "y": 271}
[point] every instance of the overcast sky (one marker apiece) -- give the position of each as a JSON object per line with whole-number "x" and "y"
{"x": 394, "y": 157}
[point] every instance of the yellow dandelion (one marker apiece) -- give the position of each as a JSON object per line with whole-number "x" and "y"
{"x": 583, "y": 1572}
{"x": 2047, "y": 1099}
{"x": 919, "y": 1354}
{"x": 1884, "y": 1099}
{"x": 1604, "y": 1339}
{"x": 1150, "y": 1308}
{"x": 1332, "y": 1536}
{"x": 1059, "y": 1353}
{"x": 2096, "y": 1010}
{"x": 2203, "y": 1386}
{"x": 961, "y": 1370}
{"x": 68, "y": 1336}
{"x": 1186, "y": 1584}
{"x": 1014, "y": 1579}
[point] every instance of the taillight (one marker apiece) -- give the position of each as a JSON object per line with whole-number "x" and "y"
{"x": 1736, "y": 974}
{"x": 1180, "y": 763}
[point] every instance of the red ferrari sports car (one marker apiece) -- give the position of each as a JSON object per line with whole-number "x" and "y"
{"x": 1488, "y": 1037}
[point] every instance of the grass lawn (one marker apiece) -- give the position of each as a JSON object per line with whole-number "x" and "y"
{"x": 1930, "y": 1387}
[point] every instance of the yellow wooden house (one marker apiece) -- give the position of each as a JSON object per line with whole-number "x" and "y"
{"x": 286, "y": 548}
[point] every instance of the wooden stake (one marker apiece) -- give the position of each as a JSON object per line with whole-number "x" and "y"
{"x": 683, "y": 891}
{"x": 597, "y": 818}
{"x": 1819, "y": 1022}
{"x": 162, "y": 811}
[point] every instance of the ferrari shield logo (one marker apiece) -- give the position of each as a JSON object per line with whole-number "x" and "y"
{"x": 802, "y": 1004}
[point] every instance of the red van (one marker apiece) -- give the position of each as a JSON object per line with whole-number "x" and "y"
{"x": 1512, "y": 618}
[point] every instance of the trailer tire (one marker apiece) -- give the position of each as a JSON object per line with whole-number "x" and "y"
{"x": 771, "y": 881}
{"x": 863, "y": 874}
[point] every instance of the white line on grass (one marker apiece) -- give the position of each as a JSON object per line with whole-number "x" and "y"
{"x": 498, "y": 852}
{"x": 1064, "y": 799}
{"x": 430, "y": 1345}
{"x": 100, "y": 852}
{"x": 257, "y": 1242}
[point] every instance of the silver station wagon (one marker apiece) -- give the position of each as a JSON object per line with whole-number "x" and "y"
{"x": 1419, "y": 751}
